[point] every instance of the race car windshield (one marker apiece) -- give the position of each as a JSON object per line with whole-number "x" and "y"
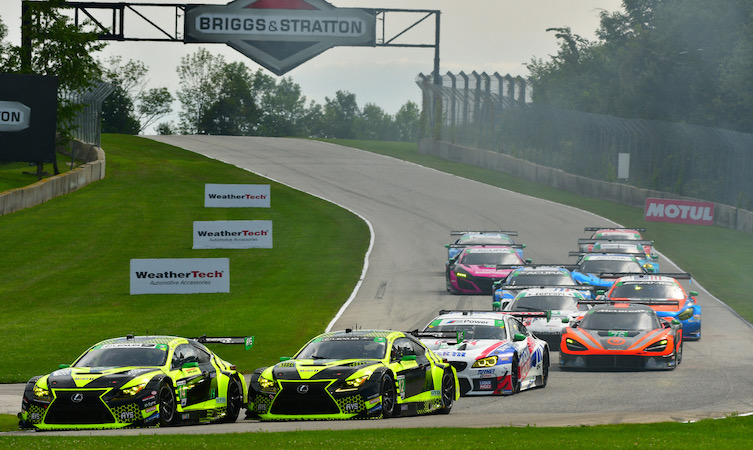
{"x": 625, "y": 249}
{"x": 551, "y": 279}
{"x": 489, "y": 259}
{"x": 605, "y": 266}
{"x": 123, "y": 357}
{"x": 544, "y": 303}
{"x": 475, "y": 331}
{"x": 344, "y": 349}
{"x": 654, "y": 291}
{"x": 627, "y": 321}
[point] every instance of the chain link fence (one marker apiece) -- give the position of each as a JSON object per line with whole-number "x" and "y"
{"x": 493, "y": 112}
{"x": 87, "y": 126}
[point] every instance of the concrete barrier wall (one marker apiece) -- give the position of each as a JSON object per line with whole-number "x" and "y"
{"x": 64, "y": 183}
{"x": 624, "y": 194}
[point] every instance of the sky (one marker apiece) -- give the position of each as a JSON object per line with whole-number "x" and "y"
{"x": 475, "y": 35}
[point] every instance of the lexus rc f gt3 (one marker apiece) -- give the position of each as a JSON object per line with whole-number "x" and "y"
{"x": 137, "y": 381}
{"x": 354, "y": 374}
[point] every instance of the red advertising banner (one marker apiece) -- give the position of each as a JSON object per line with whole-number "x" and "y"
{"x": 679, "y": 211}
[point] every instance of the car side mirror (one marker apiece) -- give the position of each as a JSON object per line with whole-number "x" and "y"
{"x": 285, "y": 358}
{"x": 519, "y": 337}
{"x": 408, "y": 358}
{"x": 189, "y": 365}
{"x": 693, "y": 293}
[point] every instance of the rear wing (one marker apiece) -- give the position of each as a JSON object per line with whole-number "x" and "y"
{"x": 520, "y": 314}
{"x": 614, "y": 241}
{"x": 613, "y": 228}
{"x": 485, "y": 245}
{"x": 460, "y": 232}
{"x": 247, "y": 341}
{"x": 635, "y": 301}
{"x": 577, "y": 287}
{"x": 675, "y": 275}
{"x": 456, "y": 336}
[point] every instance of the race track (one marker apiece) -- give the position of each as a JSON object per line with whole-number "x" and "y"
{"x": 412, "y": 210}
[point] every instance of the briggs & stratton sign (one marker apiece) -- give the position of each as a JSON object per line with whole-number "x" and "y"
{"x": 280, "y": 34}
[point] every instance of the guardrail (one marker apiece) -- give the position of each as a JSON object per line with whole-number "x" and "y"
{"x": 64, "y": 183}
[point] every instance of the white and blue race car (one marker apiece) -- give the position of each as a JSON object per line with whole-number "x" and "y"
{"x": 492, "y": 351}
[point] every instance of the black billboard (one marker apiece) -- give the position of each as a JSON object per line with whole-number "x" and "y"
{"x": 28, "y": 116}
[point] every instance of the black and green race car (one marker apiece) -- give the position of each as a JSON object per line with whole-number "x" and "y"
{"x": 137, "y": 381}
{"x": 349, "y": 374}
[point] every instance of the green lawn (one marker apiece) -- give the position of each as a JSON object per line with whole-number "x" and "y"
{"x": 67, "y": 264}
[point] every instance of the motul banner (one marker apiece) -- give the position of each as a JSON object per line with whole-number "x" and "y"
{"x": 679, "y": 211}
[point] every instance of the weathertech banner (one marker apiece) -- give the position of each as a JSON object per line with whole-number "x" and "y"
{"x": 180, "y": 276}
{"x": 679, "y": 211}
{"x": 232, "y": 234}
{"x": 237, "y": 196}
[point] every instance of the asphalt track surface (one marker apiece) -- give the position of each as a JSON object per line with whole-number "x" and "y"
{"x": 411, "y": 210}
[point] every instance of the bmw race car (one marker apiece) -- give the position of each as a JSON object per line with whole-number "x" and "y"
{"x": 475, "y": 268}
{"x": 622, "y": 336}
{"x": 602, "y": 269}
{"x": 354, "y": 374}
{"x": 663, "y": 293}
{"x": 467, "y": 238}
{"x": 564, "y": 305}
{"x": 137, "y": 381}
{"x": 536, "y": 275}
{"x": 496, "y": 354}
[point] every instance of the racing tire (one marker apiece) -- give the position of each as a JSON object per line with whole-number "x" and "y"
{"x": 234, "y": 401}
{"x": 168, "y": 406}
{"x": 447, "y": 392}
{"x": 389, "y": 396}
{"x": 678, "y": 355}
{"x": 544, "y": 377}
{"x": 515, "y": 376}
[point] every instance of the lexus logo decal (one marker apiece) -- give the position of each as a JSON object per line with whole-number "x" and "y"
{"x": 77, "y": 397}
{"x": 302, "y": 389}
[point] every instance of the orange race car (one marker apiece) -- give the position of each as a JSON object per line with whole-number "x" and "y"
{"x": 621, "y": 336}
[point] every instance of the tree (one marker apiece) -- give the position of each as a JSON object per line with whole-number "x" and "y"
{"x": 340, "y": 115}
{"x": 199, "y": 89}
{"x": 59, "y": 48}
{"x": 375, "y": 124}
{"x": 282, "y": 107}
{"x": 233, "y": 111}
{"x": 408, "y": 122}
{"x": 117, "y": 113}
{"x": 153, "y": 105}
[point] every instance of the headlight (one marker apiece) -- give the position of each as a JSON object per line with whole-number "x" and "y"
{"x": 658, "y": 346}
{"x": 489, "y": 361}
{"x": 354, "y": 383}
{"x": 574, "y": 345}
{"x": 461, "y": 274}
{"x": 42, "y": 394}
{"x": 131, "y": 391}
{"x": 267, "y": 384}
{"x": 685, "y": 315}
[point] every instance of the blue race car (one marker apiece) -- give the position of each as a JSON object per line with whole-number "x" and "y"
{"x": 602, "y": 269}
{"x": 664, "y": 294}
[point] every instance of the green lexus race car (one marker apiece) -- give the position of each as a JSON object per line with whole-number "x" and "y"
{"x": 354, "y": 374}
{"x": 135, "y": 382}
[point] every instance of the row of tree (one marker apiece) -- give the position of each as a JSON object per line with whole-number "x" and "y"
{"x": 685, "y": 61}
{"x": 216, "y": 97}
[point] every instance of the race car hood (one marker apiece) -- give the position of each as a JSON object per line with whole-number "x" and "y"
{"x": 615, "y": 340}
{"x": 489, "y": 271}
{"x": 469, "y": 349}
{"x": 312, "y": 369}
{"x": 557, "y": 320}
{"x": 97, "y": 377}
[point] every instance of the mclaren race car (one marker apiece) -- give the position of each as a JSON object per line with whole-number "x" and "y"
{"x": 495, "y": 353}
{"x": 354, "y": 374}
{"x": 622, "y": 336}
{"x": 137, "y": 381}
